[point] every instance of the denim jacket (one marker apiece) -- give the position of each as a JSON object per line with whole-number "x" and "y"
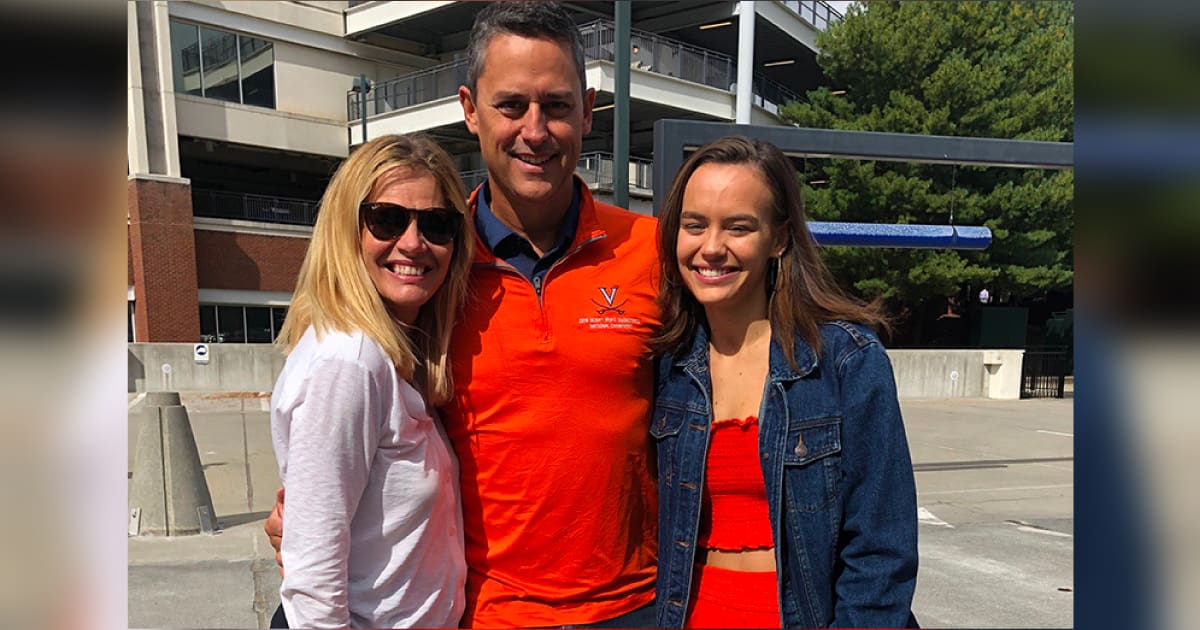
{"x": 837, "y": 473}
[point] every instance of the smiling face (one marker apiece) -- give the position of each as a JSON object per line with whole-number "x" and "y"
{"x": 726, "y": 237}
{"x": 530, "y": 115}
{"x": 406, "y": 270}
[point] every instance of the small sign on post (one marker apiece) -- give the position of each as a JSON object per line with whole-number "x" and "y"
{"x": 200, "y": 353}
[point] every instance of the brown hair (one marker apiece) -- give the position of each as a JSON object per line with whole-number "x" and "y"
{"x": 334, "y": 291}
{"x": 804, "y": 294}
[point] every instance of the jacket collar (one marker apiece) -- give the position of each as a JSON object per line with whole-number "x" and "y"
{"x": 589, "y": 224}
{"x": 696, "y": 359}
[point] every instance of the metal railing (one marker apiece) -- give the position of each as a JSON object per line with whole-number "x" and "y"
{"x": 661, "y": 55}
{"x": 771, "y": 95}
{"x": 229, "y": 205}
{"x": 657, "y": 54}
{"x": 471, "y": 179}
{"x": 1044, "y": 372}
{"x": 815, "y": 12}
{"x": 419, "y": 87}
{"x": 673, "y": 58}
{"x": 595, "y": 169}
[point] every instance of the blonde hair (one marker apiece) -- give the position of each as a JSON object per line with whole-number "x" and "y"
{"x": 334, "y": 290}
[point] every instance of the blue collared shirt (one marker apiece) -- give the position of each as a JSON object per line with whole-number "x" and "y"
{"x": 515, "y": 249}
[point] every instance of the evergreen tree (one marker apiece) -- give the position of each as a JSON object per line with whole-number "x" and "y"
{"x": 980, "y": 69}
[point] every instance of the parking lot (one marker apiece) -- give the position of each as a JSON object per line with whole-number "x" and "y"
{"x": 994, "y": 486}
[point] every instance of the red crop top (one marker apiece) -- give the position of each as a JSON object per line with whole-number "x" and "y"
{"x": 734, "y": 514}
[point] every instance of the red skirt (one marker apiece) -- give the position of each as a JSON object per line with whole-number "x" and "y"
{"x": 722, "y": 598}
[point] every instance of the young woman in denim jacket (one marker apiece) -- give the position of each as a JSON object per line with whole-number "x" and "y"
{"x": 786, "y": 494}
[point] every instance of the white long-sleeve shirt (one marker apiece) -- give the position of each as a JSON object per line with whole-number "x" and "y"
{"x": 372, "y": 524}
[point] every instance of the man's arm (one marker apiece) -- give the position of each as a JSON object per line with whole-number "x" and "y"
{"x": 274, "y": 528}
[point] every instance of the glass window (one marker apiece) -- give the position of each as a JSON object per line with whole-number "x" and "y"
{"x": 131, "y": 312}
{"x": 278, "y": 314}
{"x": 258, "y": 72}
{"x": 240, "y": 324}
{"x": 218, "y": 64}
{"x": 208, "y": 323}
{"x": 231, "y": 324}
{"x": 219, "y": 54}
{"x": 258, "y": 324}
{"x": 185, "y": 57}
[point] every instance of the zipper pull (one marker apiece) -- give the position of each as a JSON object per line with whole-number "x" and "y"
{"x": 537, "y": 285}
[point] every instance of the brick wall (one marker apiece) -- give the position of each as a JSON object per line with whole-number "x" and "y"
{"x": 254, "y": 262}
{"x": 162, "y": 258}
{"x": 129, "y": 255}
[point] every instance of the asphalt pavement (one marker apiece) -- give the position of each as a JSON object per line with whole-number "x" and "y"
{"x": 995, "y": 488}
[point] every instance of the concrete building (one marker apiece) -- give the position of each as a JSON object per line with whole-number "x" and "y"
{"x": 239, "y": 112}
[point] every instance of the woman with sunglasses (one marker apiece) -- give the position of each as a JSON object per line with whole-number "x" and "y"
{"x": 373, "y": 521}
{"x": 786, "y": 494}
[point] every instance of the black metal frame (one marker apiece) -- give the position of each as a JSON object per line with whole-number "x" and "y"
{"x": 673, "y": 138}
{"x": 1044, "y": 373}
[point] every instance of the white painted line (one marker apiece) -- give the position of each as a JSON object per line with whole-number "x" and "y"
{"x": 1047, "y": 532}
{"x": 927, "y": 517}
{"x": 1011, "y": 488}
{"x": 1033, "y": 529}
{"x": 1070, "y": 435}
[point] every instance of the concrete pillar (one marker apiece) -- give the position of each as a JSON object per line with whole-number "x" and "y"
{"x": 153, "y": 145}
{"x": 137, "y": 147}
{"x": 162, "y": 254}
{"x": 1002, "y": 377}
{"x": 745, "y": 62}
{"x": 168, "y": 494}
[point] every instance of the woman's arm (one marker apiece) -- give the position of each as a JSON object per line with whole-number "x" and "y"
{"x": 877, "y": 547}
{"x": 331, "y": 443}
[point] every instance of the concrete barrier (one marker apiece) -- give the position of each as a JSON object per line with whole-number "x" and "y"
{"x": 253, "y": 367}
{"x": 231, "y": 367}
{"x": 168, "y": 494}
{"x": 947, "y": 373}
{"x": 938, "y": 373}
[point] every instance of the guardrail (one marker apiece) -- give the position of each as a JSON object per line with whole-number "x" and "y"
{"x": 660, "y": 55}
{"x": 595, "y": 169}
{"x": 817, "y": 13}
{"x": 657, "y": 54}
{"x": 250, "y": 207}
{"x": 419, "y": 87}
{"x": 472, "y": 179}
{"x": 673, "y": 58}
{"x": 771, "y": 95}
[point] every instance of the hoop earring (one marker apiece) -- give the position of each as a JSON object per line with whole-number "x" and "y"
{"x": 772, "y": 275}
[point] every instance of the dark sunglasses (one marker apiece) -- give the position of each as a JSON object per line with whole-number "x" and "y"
{"x": 387, "y": 221}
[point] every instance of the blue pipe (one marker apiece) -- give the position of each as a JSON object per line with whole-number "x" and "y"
{"x": 910, "y": 236}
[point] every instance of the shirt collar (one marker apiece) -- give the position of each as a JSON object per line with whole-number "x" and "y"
{"x": 494, "y": 232}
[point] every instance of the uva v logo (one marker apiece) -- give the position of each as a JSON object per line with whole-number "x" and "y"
{"x": 610, "y": 296}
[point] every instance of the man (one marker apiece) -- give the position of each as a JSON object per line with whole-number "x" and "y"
{"x": 553, "y": 382}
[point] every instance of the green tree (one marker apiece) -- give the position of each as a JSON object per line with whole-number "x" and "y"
{"x": 981, "y": 69}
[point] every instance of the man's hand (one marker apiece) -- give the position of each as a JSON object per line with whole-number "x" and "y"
{"x": 274, "y": 528}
